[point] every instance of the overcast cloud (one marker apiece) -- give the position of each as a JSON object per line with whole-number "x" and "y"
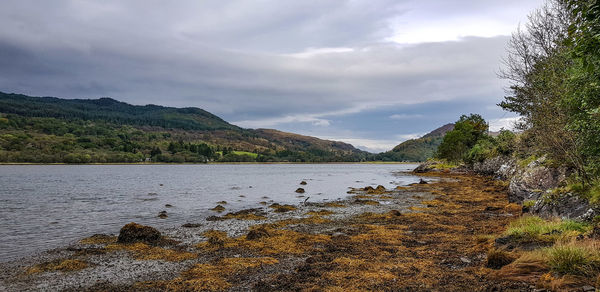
{"x": 372, "y": 73}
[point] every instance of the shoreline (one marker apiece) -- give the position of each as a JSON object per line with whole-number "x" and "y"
{"x": 404, "y": 220}
{"x": 208, "y": 163}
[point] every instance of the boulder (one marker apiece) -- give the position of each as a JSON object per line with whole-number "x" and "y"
{"x": 257, "y": 233}
{"x": 530, "y": 182}
{"x": 303, "y": 183}
{"x": 134, "y": 232}
{"x": 564, "y": 205}
{"x": 300, "y": 191}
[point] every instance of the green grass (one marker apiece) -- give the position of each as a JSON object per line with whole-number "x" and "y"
{"x": 574, "y": 259}
{"x": 536, "y": 229}
{"x": 253, "y": 155}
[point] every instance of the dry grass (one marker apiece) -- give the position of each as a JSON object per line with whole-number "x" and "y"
{"x": 143, "y": 251}
{"x": 62, "y": 265}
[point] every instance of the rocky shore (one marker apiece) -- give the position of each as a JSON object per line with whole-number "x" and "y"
{"x": 437, "y": 235}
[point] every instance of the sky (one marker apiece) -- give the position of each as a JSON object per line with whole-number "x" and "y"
{"x": 372, "y": 73}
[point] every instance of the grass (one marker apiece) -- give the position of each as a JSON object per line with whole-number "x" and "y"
{"x": 575, "y": 258}
{"x": 253, "y": 155}
{"x": 536, "y": 229}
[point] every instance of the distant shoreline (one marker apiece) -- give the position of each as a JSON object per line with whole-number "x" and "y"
{"x": 213, "y": 163}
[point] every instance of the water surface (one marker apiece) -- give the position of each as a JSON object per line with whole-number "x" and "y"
{"x": 47, "y": 206}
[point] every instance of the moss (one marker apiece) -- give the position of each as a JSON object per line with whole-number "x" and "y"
{"x": 143, "y": 251}
{"x": 525, "y": 162}
{"x": 63, "y": 265}
{"x": 529, "y": 203}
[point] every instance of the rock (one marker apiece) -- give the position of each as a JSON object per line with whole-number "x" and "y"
{"x": 213, "y": 218}
{"x": 422, "y": 182}
{"x": 465, "y": 260}
{"x": 425, "y": 167}
{"x": 162, "y": 214}
{"x": 191, "y": 225}
{"x": 300, "y": 191}
{"x": 257, "y": 233}
{"x": 588, "y": 288}
{"x": 395, "y": 213}
{"x": 134, "y": 232}
{"x": 502, "y": 167}
{"x": 567, "y": 205}
{"x": 168, "y": 205}
{"x": 531, "y": 182}
{"x": 303, "y": 183}
{"x": 161, "y": 185}
{"x": 218, "y": 208}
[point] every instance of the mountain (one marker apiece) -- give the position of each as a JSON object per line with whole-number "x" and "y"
{"x": 49, "y": 129}
{"x": 416, "y": 150}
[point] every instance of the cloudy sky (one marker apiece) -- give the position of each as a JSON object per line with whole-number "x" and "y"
{"x": 372, "y": 73}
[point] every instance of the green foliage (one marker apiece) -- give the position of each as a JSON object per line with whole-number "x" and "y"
{"x": 554, "y": 70}
{"x": 458, "y": 142}
{"x": 52, "y": 130}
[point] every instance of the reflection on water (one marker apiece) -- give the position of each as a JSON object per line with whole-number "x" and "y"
{"x": 46, "y": 206}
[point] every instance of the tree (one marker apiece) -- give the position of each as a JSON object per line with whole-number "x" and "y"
{"x": 467, "y": 131}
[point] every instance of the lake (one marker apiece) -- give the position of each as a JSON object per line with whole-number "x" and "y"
{"x": 48, "y": 206}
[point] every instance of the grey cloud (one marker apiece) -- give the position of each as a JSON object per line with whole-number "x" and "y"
{"x": 239, "y": 59}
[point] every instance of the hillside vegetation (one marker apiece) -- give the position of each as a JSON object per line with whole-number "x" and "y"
{"x": 54, "y": 130}
{"x": 416, "y": 150}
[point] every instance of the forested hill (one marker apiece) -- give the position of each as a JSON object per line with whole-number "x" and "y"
{"x": 49, "y": 130}
{"x": 112, "y": 111}
{"x": 419, "y": 149}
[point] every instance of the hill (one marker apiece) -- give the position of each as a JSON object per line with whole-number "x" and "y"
{"x": 416, "y": 150}
{"x": 49, "y": 130}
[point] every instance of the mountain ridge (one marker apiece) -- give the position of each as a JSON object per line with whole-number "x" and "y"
{"x": 150, "y": 129}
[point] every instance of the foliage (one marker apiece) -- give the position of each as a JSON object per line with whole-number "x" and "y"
{"x": 52, "y": 130}
{"x": 554, "y": 69}
{"x": 466, "y": 133}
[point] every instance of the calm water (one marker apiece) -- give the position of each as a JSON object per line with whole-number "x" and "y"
{"x": 47, "y": 206}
